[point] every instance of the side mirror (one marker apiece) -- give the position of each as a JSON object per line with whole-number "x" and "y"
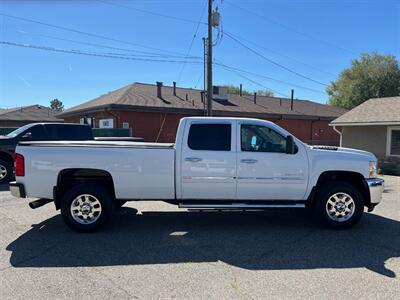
{"x": 290, "y": 145}
{"x": 27, "y": 136}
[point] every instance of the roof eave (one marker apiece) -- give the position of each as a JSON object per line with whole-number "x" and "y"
{"x": 194, "y": 110}
{"x": 383, "y": 123}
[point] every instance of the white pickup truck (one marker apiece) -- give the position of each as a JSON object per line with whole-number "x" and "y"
{"x": 216, "y": 163}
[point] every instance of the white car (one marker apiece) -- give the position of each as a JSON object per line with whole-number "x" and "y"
{"x": 216, "y": 163}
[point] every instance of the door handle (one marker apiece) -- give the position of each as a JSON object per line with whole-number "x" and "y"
{"x": 193, "y": 159}
{"x": 248, "y": 161}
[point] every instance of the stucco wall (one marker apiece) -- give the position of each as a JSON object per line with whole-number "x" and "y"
{"x": 369, "y": 138}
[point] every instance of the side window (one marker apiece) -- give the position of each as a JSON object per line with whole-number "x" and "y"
{"x": 214, "y": 137}
{"x": 52, "y": 132}
{"x": 68, "y": 132}
{"x": 37, "y": 133}
{"x": 261, "y": 139}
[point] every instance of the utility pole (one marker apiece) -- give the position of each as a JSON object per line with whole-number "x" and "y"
{"x": 209, "y": 60}
{"x": 203, "y": 99}
{"x": 205, "y": 64}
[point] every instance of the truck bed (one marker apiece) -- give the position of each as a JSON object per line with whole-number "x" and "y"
{"x": 139, "y": 170}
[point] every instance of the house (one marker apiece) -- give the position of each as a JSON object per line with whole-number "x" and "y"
{"x": 153, "y": 111}
{"x": 17, "y": 117}
{"x": 374, "y": 126}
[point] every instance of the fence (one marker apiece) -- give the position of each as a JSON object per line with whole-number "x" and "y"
{"x": 111, "y": 132}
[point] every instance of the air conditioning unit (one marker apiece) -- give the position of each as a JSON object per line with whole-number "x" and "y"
{"x": 220, "y": 93}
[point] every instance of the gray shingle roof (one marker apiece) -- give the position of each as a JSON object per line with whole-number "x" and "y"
{"x": 142, "y": 96}
{"x": 376, "y": 110}
{"x": 34, "y": 113}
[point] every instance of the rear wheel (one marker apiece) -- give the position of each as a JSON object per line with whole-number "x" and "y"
{"x": 339, "y": 205}
{"x": 6, "y": 171}
{"x": 86, "y": 207}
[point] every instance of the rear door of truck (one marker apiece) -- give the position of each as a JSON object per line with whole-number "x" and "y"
{"x": 208, "y": 166}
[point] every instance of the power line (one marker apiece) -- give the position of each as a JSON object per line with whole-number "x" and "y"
{"x": 273, "y": 62}
{"x": 142, "y": 53}
{"x": 192, "y": 41}
{"x": 95, "y": 54}
{"x": 283, "y": 55}
{"x": 269, "y": 78}
{"x": 198, "y": 80}
{"x": 87, "y": 33}
{"x": 253, "y": 81}
{"x": 330, "y": 44}
{"x": 149, "y": 12}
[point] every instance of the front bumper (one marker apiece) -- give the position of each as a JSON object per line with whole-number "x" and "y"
{"x": 17, "y": 189}
{"x": 375, "y": 186}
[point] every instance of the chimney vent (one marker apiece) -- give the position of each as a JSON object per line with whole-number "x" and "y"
{"x": 255, "y": 98}
{"x": 291, "y": 100}
{"x": 174, "y": 88}
{"x": 240, "y": 90}
{"x": 159, "y": 88}
{"x": 202, "y": 96}
{"x": 187, "y": 97}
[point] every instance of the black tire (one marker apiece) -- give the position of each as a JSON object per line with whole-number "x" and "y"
{"x": 98, "y": 193}
{"x": 324, "y": 194}
{"x": 6, "y": 171}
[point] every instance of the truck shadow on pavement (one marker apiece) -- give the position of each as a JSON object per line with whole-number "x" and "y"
{"x": 271, "y": 240}
{"x": 4, "y": 187}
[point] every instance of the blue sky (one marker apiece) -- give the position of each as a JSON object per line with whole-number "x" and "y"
{"x": 315, "y": 39}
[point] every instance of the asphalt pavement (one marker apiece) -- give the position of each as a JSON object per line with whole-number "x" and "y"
{"x": 153, "y": 250}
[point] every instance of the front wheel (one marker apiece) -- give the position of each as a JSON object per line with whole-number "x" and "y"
{"x": 86, "y": 207}
{"x": 339, "y": 205}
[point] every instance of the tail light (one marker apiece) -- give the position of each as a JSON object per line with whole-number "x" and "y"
{"x": 19, "y": 164}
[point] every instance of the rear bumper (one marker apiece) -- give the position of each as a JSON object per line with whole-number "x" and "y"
{"x": 17, "y": 189}
{"x": 375, "y": 186}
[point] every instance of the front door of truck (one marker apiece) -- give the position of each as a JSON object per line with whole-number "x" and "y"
{"x": 208, "y": 160}
{"x": 264, "y": 170}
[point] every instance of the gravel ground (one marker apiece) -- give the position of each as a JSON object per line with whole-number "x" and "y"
{"x": 154, "y": 250}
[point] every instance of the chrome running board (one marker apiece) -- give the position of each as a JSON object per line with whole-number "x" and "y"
{"x": 238, "y": 206}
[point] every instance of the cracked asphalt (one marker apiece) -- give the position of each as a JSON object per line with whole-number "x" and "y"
{"x": 155, "y": 250}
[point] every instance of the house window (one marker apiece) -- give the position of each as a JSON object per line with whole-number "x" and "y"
{"x": 393, "y": 141}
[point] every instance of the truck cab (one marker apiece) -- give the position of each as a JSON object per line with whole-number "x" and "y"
{"x": 240, "y": 159}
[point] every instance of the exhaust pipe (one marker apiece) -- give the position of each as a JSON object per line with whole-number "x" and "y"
{"x": 38, "y": 203}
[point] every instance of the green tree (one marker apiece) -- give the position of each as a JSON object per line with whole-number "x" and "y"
{"x": 370, "y": 76}
{"x": 267, "y": 93}
{"x": 233, "y": 89}
{"x": 56, "y": 105}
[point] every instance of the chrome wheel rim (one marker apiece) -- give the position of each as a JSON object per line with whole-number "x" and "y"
{"x": 340, "y": 207}
{"x": 3, "y": 172}
{"x": 86, "y": 209}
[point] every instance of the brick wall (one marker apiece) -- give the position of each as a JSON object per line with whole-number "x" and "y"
{"x": 152, "y": 127}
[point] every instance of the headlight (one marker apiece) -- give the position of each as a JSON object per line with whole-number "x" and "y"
{"x": 372, "y": 169}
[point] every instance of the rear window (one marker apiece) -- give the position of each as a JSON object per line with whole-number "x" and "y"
{"x": 214, "y": 137}
{"x": 69, "y": 132}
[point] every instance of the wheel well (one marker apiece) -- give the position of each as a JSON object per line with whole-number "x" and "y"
{"x": 70, "y": 177}
{"x": 7, "y": 157}
{"x": 355, "y": 179}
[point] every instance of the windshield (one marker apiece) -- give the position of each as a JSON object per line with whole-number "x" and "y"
{"x": 18, "y": 131}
